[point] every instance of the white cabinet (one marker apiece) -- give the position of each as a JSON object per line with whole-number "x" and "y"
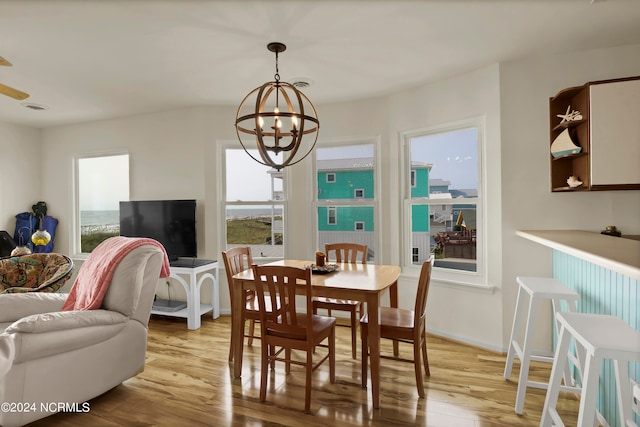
{"x": 615, "y": 133}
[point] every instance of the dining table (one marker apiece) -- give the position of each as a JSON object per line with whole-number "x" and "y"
{"x": 361, "y": 282}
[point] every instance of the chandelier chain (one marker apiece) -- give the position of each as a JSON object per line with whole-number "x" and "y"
{"x": 277, "y": 75}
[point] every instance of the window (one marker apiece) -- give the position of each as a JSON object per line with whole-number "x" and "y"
{"x": 347, "y": 200}
{"x": 254, "y": 204}
{"x": 332, "y": 218}
{"x": 443, "y": 203}
{"x": 102, "y": 181}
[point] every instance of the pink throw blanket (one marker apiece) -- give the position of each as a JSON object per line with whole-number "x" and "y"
{"x": 94, "y": 277}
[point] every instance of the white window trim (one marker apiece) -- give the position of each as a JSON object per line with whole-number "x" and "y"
{"x": 477, "y": 279}
{"x": 355, "y": 193}
{"x": 74, "y": 235}
{"x": 355, "y": 226}
{"x": 330, "y": 181}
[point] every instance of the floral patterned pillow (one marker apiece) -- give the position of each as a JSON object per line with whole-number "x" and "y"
{"x": 44, "y": 272}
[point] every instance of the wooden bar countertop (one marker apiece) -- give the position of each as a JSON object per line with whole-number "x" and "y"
{"x": 618, "y": 254}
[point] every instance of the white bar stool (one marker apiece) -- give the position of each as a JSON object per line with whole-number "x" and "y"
{"x": 603, "y": 337}
{"x": 537, "y": 288}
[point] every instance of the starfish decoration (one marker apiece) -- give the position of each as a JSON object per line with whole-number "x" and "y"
{"x": 570, "y": 116}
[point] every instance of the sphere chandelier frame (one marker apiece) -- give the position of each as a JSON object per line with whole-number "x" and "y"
{"x": 282, "y": 123}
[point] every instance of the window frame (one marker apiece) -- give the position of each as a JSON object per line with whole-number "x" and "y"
{"x": 221, "y": 164}
{"x": 374, "y": 201}
{"x": 75, "y": 232}
{"x": 332, "y": 212}
{"x": 445, "y": 275}
{"x": 332, "y": 180}
{"x": 356, "y": 223}
{"x": 415, "y": 253}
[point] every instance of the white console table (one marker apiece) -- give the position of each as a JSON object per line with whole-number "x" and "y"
{"x": 192, "y": 285}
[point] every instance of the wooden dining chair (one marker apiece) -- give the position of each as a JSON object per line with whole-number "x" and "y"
{"x": 237, "y": 260}
{"x": 405, "y": 326}
{"x": 351, "y": 253}
{"x": 284, "y": 329}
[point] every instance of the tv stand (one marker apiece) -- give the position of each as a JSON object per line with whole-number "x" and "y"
{"x": 189, "y": 269}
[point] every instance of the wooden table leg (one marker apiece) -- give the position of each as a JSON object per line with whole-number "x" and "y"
{"x": 393, "y": 299}
{"x": 373, "y": 303}
{"x": 237, "y": 330}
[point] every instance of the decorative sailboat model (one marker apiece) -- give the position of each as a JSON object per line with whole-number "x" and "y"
{"x": 563, "y": 145}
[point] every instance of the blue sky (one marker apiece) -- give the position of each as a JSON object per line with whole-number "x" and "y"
{"x": 454, "y": 156}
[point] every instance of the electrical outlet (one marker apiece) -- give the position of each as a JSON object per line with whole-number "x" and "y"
{"x": 635, "y": 401}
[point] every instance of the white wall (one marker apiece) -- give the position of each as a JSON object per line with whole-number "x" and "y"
{"x": 21, "y": 162}
{"x": 527, "y": 202}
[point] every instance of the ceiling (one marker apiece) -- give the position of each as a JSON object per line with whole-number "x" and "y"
{"x": 92, "y": 60}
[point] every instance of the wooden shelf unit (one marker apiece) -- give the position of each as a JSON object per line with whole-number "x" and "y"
{"x": 575, "y": 164}
{"x": 598, "y": 153}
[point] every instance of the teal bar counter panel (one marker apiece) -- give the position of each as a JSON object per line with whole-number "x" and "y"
{"x": 602, "y": 291}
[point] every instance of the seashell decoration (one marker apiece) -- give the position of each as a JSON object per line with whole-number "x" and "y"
{"x": 573, "y": 181}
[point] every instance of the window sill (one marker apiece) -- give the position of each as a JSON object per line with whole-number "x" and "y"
{"x": 454, "y": 284}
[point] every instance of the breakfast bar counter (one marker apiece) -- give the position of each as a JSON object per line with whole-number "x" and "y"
{"x": 605, "y": 272}
{"x": 618, "y": 254}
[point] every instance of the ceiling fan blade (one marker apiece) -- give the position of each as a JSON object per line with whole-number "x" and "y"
{"x": 13, "y": 93}
{"x": 4, "y": 62}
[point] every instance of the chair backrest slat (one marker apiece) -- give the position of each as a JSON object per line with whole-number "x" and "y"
{"x": 347, "y": 252}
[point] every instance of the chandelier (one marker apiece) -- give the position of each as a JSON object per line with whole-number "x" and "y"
{"x": 278, "y": 120}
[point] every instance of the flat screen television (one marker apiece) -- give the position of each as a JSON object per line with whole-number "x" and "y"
{"x": 170, "y": 222}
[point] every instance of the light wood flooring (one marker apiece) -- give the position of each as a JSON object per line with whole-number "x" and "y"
{"x": 188, "y": 381}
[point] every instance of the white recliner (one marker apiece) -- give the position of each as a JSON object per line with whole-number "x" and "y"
{"x": 51, "y": 356}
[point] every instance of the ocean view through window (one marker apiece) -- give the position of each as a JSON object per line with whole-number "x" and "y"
{"x": 254, "y": 205}
{"x": 100, "y": 221}
{"x": 97, "y": 202}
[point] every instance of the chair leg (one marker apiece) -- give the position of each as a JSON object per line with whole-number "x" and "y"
{"x": 265, "y": 350}
{"x": 287, "y": 364}
{"x": 231, "y": 340}
{"x": 364, "y": 334}
{"x": 272, "y": 350}
{"x": 307, "y": 386}
{"x": 354, "y": 327}
{"x": 525, "y": 362}
{"x": 417, "y": 367}
{"x": 623, "y": 388}
{"x": 252, "y": 328}
{"x": 587, "y": 410}
{"x": 332, "y": 356}
{"x": 557, "y": 369}
{"x": 425, "y": 357}
{"x": 511, "y": 354}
